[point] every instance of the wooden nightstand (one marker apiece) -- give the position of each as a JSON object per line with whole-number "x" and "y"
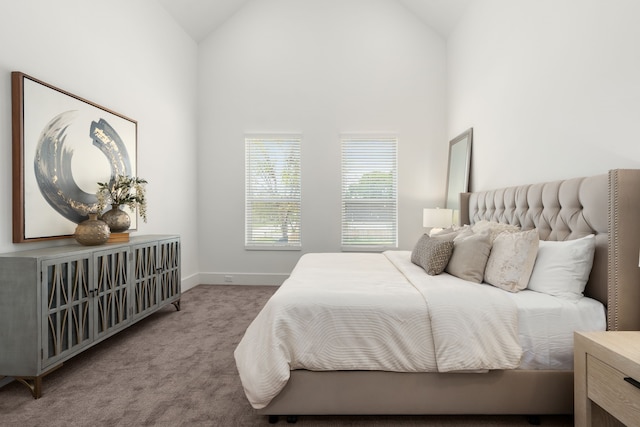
{"x": 607, "y": 378}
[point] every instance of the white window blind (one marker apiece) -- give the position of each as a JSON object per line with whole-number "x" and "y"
{"x": 369, "y": 193}
{"x": 272, "y": 192}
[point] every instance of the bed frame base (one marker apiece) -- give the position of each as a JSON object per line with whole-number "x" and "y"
{"x": 517, "y": 392}
{"x": 292, "y": 419}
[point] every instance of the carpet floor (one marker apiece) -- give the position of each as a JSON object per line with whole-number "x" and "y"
{"x": 176, "y": 368}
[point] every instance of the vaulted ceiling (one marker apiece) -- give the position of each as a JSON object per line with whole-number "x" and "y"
{"x": 200, "y": 17}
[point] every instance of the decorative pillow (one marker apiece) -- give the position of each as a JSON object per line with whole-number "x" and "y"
{"x": 493, "y": 228}
{"x": 511, "y": 260}
{"x": 467, "y": 232}
{"x": 469, "y": 257}
{"x": 562, "y": 268}
{"x": 455, "y": 229}
{"x": 432, "y": 254}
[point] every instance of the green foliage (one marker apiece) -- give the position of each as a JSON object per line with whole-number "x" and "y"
{"x": 373, "y": 185}
{"x": 275, "y": 181}
{"x": 123, "y": 190}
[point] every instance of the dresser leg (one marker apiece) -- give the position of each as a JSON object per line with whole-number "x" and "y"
{"x": 34, "y": 384}
{"x": 176, "y": 304}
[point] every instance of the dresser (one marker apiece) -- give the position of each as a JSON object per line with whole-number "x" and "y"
{"x": 57, "y": 302}
{"x": 607, "y": 378}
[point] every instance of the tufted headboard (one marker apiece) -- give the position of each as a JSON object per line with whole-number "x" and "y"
{"x": 606, "y": 205}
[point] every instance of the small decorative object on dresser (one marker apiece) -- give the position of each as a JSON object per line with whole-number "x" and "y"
{"x": 607, "y": 378}
{"x": 92, "y": 231}
{"x": 117, "y": 219}
{"x": 119, "y": 237}
{"x": 122, "y": 191}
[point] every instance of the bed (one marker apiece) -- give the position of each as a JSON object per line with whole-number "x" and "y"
{"x": 605, "y": 206}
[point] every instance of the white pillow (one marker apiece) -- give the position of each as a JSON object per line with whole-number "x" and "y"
{"x": 562, "y": 268}
{"x": 511, "y": 260}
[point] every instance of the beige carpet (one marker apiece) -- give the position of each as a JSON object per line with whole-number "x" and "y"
{"x": 177, "y": 369}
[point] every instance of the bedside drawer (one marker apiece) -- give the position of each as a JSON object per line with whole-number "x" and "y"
{"x": 607, "y": 387}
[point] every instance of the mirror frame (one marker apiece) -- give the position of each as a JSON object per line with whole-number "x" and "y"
{"x": 458, "y": 170}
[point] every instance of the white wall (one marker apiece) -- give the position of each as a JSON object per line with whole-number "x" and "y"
{"x": 130, "y": 57}
{"x": 319, "y": 68}
{"x": 551, "y": 88}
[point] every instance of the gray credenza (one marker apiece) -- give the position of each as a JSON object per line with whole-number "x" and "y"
{"x": 57, "y": 302}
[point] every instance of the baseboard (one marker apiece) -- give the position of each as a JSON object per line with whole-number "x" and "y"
{"x": 269, "y": 279}
{"x": 190, "y": 282}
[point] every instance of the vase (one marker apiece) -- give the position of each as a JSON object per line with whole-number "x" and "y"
{"x": 92, "y": 231}
{"x": 117, "y": 219}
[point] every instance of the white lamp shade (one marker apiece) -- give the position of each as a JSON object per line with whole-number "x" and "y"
{"x": 437, "y": 218}
{"x": 456, "y": 216}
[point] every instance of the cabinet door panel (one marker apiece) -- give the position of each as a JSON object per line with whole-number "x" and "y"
{"x": 169, "y": 264}
{"x": 111, "y": 293}
{"x": 67, "y": 319}
{"x": 145, "y": 298}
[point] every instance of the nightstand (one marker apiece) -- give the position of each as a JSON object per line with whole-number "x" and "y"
{"x": 607, "y": 378}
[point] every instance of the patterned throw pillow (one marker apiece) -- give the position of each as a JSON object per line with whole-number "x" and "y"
{"x": 493, "y": 228}
{"x": 432, "y": 254}
{"x": 511, "y": 260}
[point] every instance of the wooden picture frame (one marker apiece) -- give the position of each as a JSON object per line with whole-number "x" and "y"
{"x": 63, "y": 145}
{"x": 458, "y": 171}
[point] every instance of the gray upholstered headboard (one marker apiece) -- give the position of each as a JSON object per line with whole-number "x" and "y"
{"x": 606, "y": 205}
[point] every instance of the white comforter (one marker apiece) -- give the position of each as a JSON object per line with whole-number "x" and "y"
{"x": 474, "y": 327}
{"x": 374, "y": 312}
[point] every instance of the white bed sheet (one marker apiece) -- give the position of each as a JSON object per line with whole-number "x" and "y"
{"x": 546, "y": 325}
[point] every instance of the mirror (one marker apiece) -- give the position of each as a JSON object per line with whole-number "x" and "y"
{"x": 458, "y": 171}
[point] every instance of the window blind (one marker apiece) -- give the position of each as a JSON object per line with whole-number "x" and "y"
{"x": 272, "y": 192}
{"x": 369, "y": 193}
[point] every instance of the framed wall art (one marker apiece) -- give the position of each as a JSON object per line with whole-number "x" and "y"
{"x": 63, "y": 145}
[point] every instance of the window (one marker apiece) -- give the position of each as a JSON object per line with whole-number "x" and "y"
{"x": 369, "y": 193}
{"x": 272, "y": 192}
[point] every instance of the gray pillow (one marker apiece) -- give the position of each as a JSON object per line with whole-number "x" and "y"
{"x": 469, "y": 257}
{"x": 432, "y": 254}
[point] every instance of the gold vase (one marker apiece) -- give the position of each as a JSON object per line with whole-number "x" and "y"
{"x": 92, "y": 231}
{"x": 117, "y": 219}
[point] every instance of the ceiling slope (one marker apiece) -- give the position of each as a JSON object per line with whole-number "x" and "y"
{"x": 200, "y": 17}
{"x": 441, "y": 15}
